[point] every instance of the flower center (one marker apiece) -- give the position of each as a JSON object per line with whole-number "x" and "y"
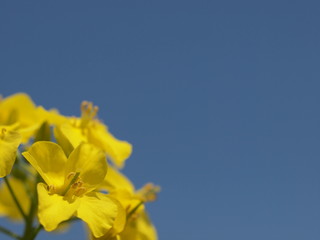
{"x": 73, "y": 187}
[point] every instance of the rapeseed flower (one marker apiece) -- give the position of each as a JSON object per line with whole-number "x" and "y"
{"x": 52, "y": 184}
{"x": 91, "y": 130}
{"x": 19, "y": 113}
{"x": 138, "y": 225}
{"x": 69, "y": 188}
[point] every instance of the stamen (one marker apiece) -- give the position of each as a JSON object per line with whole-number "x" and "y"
{"x": 77, "y": 184}
{"x": 71, "y": 175}
{"x": 149, "y": 192}
{"x": 74, "y": 179}
{"x": 51, "y": 188}
{"x": 3, "y": 133}
{"x": 88, "y": 112}
{"x": 80, "y": 191}
{"x": 84, "y": 106}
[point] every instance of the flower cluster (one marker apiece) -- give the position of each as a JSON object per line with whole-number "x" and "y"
{"x": 57, "y": 169}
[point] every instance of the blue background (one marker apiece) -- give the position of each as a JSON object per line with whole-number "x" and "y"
{"x": 220, "y": 100}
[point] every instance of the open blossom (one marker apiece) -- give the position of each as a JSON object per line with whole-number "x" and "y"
{"x": 19, "y": 113}
{"x": 91, "y": 130}
{"x": 138, "y": 224}
{"x": 69, "y": 186}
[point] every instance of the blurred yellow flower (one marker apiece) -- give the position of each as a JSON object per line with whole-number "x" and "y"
{"x": 139, "y": 228}
{"x": 9, "y": 143}
{"x": 89, "y": 129}
{"x": 8, "y": 207}
{"x": 19, "y": 113}
{"x": 138, "y": 225}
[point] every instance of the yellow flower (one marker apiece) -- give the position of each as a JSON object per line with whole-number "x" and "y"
{"x": 69, "y": 188}
{"x": 91, "y": 130}
{"x": 139, "y": 228}
{"x": 114, "y": 180}
{"x": 138, "y": 225}
{"x": 120, "y": 187}
{"x": 19, "y": 113}
{"x": 118, "y": 226}
{"x": 9, "y": 143}
{"x": 7, "y": 205}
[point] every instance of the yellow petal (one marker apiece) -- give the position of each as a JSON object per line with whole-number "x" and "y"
{"x": 140, "y": 228}
{"x": 73, "y": 134}
{"x": 99, "y": 212}
{"x": 118, "y": 225}
{"x": 128, "y": 200}
{"x": 9, "y": 143}
{"x": 62, "y": 141}
{"x": 54, "y": 209}
{"x": 17, "y": 107}
{"x": 117, "y": 150}
{"x": 7, "y": 205}
{"x": 28, "y": 131}
{"x": 120, "y": 220}
{"x": 69, "y": 137}
{"x": 49, "y": 160}
{"x": 53, "y": 117}
{"x": 90, "y": 162}
{"x": 116, "y": 180}
{"x": 20, "y": 110}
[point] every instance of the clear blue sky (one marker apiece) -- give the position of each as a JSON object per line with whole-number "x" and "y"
{"x": 220, "y": 100}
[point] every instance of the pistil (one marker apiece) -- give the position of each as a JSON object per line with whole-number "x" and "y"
{"x": 73, "y": 180}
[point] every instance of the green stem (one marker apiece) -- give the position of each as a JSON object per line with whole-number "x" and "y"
{"x": 31, "y": 232}
{"x": 36, "y": 231}
{"x": 9, "y": 233}
{"x": 15, "y": 199}
{"x": 73, "y": 180}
